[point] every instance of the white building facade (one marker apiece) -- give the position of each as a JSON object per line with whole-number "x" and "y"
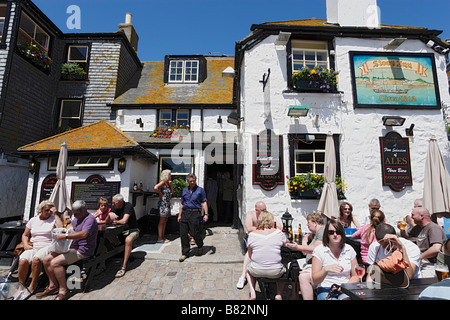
{"x": 276, "y": 49}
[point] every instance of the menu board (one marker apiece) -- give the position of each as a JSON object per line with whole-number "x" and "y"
{"x": 92, "y": 189}
{"x": 395, "y": 161}
{"x": 268, "y": 160}
{"x": 47, "y": 187}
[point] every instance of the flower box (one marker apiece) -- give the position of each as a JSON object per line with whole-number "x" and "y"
{"x": 310, "y": 186}
{"x": 34, "y": 54}
{"x": 318, "y": 79}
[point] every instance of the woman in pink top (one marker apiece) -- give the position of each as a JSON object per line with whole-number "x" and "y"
{"x": 264, "y": 250}
{"x": 367, "y": 233}
{"x": 102, "y": 214}
{"x": 37, "y": 238}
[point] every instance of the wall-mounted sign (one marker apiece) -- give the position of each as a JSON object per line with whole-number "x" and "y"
{"x": 268, "y": 160}
{"x": 395, "y": 161}
{"x": 92, "y": 189}
{"x": 47, "y": 187}
{"x": 394, "y": 80}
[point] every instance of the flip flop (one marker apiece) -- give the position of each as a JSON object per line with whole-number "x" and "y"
{"x": 120, "y": 273}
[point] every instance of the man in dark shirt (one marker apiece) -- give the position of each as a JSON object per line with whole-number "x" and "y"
{"x": 193, "y": 199}
{"x": 125, "y": 215}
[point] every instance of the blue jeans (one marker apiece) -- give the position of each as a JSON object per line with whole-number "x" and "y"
{"x": 322, "y": 293}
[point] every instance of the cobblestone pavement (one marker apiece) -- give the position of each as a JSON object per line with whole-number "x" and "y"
{"x": 156, "y": 274}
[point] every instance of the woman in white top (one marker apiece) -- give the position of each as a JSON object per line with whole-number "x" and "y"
{"x": 37, "y": 238}
{"x": 333, "y": 261}
{"x": 264, "y": 250}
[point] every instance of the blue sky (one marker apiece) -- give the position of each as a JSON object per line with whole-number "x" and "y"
{"x": 213, "y": 26}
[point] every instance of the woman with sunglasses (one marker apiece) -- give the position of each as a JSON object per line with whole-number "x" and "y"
{"x": 333, "y": 262}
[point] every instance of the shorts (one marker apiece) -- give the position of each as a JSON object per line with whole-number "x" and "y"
{"x": 73, "y": 256}
{"x": 266, "y": 273}
{"x": 132, "y": 232}
{"x": 37, "y": 252}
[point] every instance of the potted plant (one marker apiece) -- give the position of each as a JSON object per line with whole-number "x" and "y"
{"x": 310, "y": 185}
{"x": 72, "y": 72}
{"x": 170, "y": 130}
{"x": 32, "y": 52}
{"x": 178, "y": 185}
{"x": 317, "y": 79}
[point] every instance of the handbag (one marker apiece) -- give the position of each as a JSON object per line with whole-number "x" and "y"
{"x": 19, "y": 248}
{"x": 390, "y": 270}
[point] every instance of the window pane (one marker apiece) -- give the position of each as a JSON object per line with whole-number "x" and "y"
{"x": 320, "y": 156}
{"x": 320, "y": 168}
{"x": 298, "y": 55}
{"x": 70, "y": 123}
{"x": 182, "y": 122}
{"x": 303, "y": 168}
{"x": 27, "y": 25}
{"x": 41, "y": 37}
{"x": 70, "y": 108}
{"x": 322, "y": 56}
{"x": 310, "y": 55}
{"x": 182, "y": 114}
{"x": 78, "y": 53}
{"x": 304, "y": 157}
{"x": 182, "y": 165}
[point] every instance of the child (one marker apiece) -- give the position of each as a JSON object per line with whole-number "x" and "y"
{"x": 102, "y": 214}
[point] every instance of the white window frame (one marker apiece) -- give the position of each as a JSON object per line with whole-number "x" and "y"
{"x": 77, "y": 61}
{"x": 178, "y": 118}
{"x": 309, "y": 46}
{"x": 61, "y": 118}
{"x": 184, "y": 71}
{"x": 314, "y": 162}
{"x": 43, "y": 46}
{"x": 80, "y": 162}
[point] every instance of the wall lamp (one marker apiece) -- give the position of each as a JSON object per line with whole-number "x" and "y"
{"x": 219, "y": 120}
{"x": 394, "y": 43}
{"x": 32, "y": 166}
{"x": 234, "y": 118}
{"x": 389, "y": 121}
{"x": 298, "y": 111}
{"x": 139, "y": 122}
{"x": 122, "y": 165}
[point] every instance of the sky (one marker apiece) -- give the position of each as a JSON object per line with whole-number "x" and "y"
{"x": 213, "y": 26}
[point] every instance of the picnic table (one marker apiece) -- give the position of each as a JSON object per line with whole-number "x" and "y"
{"x": 10, "y": 234}
{"x": 373, "y": 291}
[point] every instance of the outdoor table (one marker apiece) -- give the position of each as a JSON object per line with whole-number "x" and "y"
{"x": 106, "y": 248}
{"x": 8, "y": 232}
{"x": 372, "y": 291}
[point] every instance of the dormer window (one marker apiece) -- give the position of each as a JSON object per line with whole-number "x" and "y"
{"x": 184, "y": 69}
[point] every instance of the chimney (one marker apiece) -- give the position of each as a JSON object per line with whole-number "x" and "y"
{"x": 129, "y": 31}
{"x": 353, "y": 13}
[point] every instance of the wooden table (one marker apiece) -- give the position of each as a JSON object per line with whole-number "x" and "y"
{"x": 374, "y": 291}
{"x": 11, "y": 230}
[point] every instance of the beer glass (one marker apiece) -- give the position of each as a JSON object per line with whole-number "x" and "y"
{"x": 441, "y": 271}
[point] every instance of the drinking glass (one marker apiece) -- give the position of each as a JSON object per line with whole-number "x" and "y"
{"x": 441, "y": 271}
{"x": 360, "y": 271}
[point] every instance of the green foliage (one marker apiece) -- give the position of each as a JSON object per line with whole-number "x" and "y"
{"x": 35, "y": 54}
{"x": 313, "y": 182}
{"x": 178, "y": 186}
{"x": 318, "y": 77}
{"x": 72, "y": 71}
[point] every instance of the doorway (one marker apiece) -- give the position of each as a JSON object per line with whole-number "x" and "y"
{"x": 220, "y": 193}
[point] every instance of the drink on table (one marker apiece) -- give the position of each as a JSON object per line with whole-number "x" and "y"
{"x": 402, "y": 225}
{"x": 441, "y": 271}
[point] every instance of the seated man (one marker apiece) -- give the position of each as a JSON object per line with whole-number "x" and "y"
{"x": 429, "y": 238}
{"x": 387, "y": 242}
{"x": 84, "y": 236}
{"x": 125, "y": 215}
{"x": 309, "y": 243}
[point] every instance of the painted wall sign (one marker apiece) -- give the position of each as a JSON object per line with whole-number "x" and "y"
{"x": 395, "y": 161}
{"x": 92, "y": 189}
{"x": 47, "y": 187}
{"x": 268, "y": 160}
{"x": 394, "y": 80}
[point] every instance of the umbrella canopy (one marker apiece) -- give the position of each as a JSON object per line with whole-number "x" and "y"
{"x": 60, "y": 196}
{"x": 436, "y": 192}
{"x": 328, "y": 204}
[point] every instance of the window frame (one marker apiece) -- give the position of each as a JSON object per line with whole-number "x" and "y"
{"x": 174, "y": 116}
{"x": 314, "y": 162}
{"x": 76, "y": 163}
{"x": 45, "y": 46}
{"x": 183, "y": 68}
{"x": 302, "y": 45}
{"x": 83, "y": 64}
{"x": 60, "y": 118}
{"x": 176, "y": 175}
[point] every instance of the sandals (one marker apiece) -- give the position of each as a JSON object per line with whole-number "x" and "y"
{"x": 121, "y": 272}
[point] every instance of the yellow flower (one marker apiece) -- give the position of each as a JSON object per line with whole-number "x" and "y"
{"x": 313, "y": 71}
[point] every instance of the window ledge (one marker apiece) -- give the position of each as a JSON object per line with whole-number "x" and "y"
{"x": 297, "y": 92}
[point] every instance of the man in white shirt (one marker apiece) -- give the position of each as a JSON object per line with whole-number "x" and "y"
{"x": 387, "y": 242}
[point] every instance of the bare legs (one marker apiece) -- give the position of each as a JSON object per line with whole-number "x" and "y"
{"x": 162, "y": 228}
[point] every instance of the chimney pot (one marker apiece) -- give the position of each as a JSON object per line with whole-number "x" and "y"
{"x": 128, "y": 18}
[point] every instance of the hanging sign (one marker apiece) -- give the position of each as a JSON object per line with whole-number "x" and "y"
{"x": 268, "y": 160}
{"x": 395, "y": 161}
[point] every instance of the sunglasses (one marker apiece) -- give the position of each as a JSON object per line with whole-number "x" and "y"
{"x": 331, "y": 232}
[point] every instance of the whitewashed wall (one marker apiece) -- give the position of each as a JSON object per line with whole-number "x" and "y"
{"x": 360, "y": 129}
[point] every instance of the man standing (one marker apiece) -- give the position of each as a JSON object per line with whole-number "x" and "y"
{"x": 125, "y": 215}
{"x": 193, "y": 199}
{"x": 429, "y": 238}
{"x": 84, "y": 238}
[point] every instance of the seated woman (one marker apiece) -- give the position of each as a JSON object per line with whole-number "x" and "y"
{"x": 264, "y": 250}
{"x": 102, "y": 214}
{"x": 333, "y": 261}
{"x": 37, "y": 238}
{"x": 367, "y": 233}
{"x": 346, "y": 217}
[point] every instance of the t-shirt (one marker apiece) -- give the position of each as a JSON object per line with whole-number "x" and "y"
{"x": 427, "y": 236}
{"x": 194, "y": 199}
{"x": 102, "y": 216}
{"x": 127, "y": 208}
{"x": 365, "y": 244}
{"x": 266, "y": 249}
{"x": 376, "y": 253}
{"x": 317, "y": 236}
{"x": 41, "y": 230}
{"x": 327, "y": 258}
{"x": 89, "y": 224}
